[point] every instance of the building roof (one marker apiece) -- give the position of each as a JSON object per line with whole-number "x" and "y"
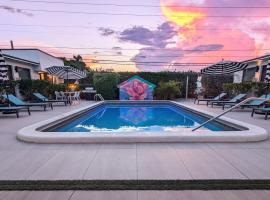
{"x": 137, "y": 77}
{"x": 257, "y": 58}
{"x": 20, "y": 59}
{"x": 31, "y": 49}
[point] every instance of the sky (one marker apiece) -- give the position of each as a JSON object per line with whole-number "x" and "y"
{"x": 139, "y": 35}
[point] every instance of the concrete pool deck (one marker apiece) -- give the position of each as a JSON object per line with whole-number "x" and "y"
{"x": 28, "y": 161}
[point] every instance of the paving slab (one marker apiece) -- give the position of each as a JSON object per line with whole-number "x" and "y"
{"x": 65, "y": 165}
{"x": 206, "y": 164}
{"x": 160, "y": 162}
{"x": 248, "y": 161}
{"x": 113, "y": 163}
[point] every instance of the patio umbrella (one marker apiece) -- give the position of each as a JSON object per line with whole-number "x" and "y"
{"x": 224, "y": 68}
{"x": 3, "y": 73}
{"x": 3, "y": 68}
{"x": 66, "y": 72}
{"x": 267, "y": 76}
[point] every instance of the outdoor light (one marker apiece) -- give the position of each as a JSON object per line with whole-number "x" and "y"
{"x": 257, "y": 77}
{"x": 259, "y": 62}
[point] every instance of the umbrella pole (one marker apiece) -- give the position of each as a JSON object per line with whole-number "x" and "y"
{"x": 67, "y": 81}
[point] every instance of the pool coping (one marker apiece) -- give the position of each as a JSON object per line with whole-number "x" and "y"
{"x": 34, "y": 134}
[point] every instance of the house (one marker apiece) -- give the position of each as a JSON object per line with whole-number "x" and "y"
{"x": 136, "y": 88}
{"x": 31, "y": 64}
{"x": 256, "y": 70}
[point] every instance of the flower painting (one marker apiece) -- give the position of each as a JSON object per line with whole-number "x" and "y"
{"x": 136, "y": 88}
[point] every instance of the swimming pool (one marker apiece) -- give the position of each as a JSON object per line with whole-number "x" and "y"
{"x": 140, "y": 117}
{"x": 139, "y": 121}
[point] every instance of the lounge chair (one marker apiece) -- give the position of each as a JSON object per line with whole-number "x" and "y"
{"x": 42, "y": 98}
{"x": 13, "y": 109}
{"x": 255, "y": 103}
{"x": 217, "y": 98}
{"x": 261, "y": 111}
{"x": 18, "y": 102}
{"x": 234, "y": 100}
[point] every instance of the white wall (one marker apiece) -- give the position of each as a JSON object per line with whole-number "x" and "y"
{"x": 238, "y": 76}
{"x": 33, "y": 73}
{"x": 46, "y": 61}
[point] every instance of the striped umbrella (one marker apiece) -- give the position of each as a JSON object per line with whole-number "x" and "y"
{"x": 267, "y": 76}
{"x": 66, "y": 72}
{"x": 3, "y": 68}
{"x": 224, "y": 68}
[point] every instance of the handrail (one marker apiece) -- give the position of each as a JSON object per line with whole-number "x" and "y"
{"x": 233, "y": 107}
{"x": 98, "y": 96}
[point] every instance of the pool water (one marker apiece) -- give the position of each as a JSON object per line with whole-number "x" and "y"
{"x": 140, "y": 117}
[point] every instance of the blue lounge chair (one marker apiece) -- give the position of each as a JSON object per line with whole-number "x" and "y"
{"x": 217, "y": 98}
{"x": 255, "y": 103}
{"x": 234, "y": 100}
{"x": 261, "y": 111}
{"x": 13, "y": 109}
{"x": 18, "y": 102}
{"x": 42, "y": 98}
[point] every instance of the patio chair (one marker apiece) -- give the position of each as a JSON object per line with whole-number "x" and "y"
{"x": 72, "y": 97}
{"x": 42, "y": 98}
{"x": 261, "y": 111}
{"x": 217, "y": 98}
{"x": 78, "y": 96}
{"x": 58, "y": 96}
{"x": 18, "y": 102}
{"x": 234, "y": 100}
{"x": 255, "y": 103}
{"x": 13, "y": 109}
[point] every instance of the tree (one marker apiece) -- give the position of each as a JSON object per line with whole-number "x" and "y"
{"x": 77, "y": 62}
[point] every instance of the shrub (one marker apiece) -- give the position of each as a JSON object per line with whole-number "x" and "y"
{"x": 213, "y": 85}
{"x": 168, "y": 90}
{"x": 258, "y": 88}
{"x": 28, "y": 87}
{"x": 106, "y": 84}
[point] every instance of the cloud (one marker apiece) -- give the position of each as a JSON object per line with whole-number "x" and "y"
{"x": 106, "y": 31}
{"x": 157, "y": 59}
{"x": 160, "y": 37}
{"x": 208, "y": 47}
{"x": 15, "y": 10}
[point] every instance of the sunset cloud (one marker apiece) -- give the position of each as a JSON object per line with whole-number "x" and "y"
{"x": 159, "y": 37}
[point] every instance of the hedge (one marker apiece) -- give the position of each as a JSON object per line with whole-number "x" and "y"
{"x": 106, "y": 84}
{"x": 254, "y": 88}
{"x": 213, "y": 85}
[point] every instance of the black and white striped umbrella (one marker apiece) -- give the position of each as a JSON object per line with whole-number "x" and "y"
{"x": 3, "y": 68}
{"x": 267, "y": 75}
{"x": 224, "y": 68}
{"x": 66, "y": 72}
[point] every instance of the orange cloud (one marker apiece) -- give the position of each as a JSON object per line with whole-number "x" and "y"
{"x": 185, "y": 18}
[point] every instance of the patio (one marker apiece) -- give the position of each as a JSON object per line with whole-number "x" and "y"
{"x": 28, "y": 161}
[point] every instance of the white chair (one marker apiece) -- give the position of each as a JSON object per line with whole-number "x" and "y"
{"x": 58, "y": 96}
{"x": 72, "y": 97}
{"x": 78, "y": 96}
{"x": 63, "y": 96}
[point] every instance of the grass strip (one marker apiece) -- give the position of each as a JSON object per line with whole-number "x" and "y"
{"x": 135, "y": 185}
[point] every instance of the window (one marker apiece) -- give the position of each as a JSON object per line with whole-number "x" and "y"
{"x": 249, "y": 74}
{"x": 9, "y": 73}
{"x": 24, "y": 73}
